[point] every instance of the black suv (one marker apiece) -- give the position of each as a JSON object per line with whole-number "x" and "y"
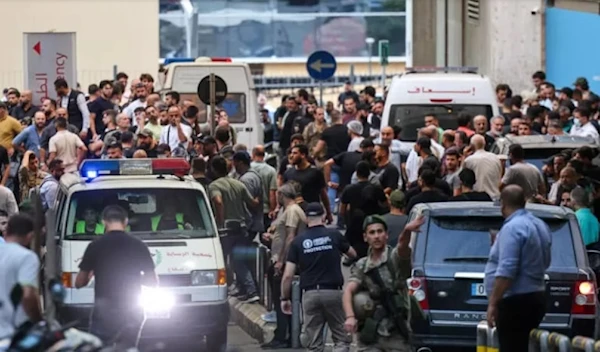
{"x": 449, "y": 258}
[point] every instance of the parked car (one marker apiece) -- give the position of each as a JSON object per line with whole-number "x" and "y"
{"x": 449, "y": 258}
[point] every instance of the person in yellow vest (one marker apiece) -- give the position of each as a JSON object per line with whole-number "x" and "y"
{"x": 170, "y": 219}
{"x": 89, "y": 223}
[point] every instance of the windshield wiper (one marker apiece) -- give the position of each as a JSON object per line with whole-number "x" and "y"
{"x": 467, "y": 259}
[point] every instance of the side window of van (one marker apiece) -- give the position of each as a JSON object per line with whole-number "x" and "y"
{"x": 60, "y": 210}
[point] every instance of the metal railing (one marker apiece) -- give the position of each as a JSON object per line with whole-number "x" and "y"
{"x": 295, "y": 82}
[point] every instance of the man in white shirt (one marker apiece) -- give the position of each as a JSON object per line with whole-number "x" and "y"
{"x": 176, "y": 134}
{"x": 66, "y": 146}
{"x": 141, "y": 93}
{"x": 487, "y": 168}
{"x": 582, "y": 126}
{"x": 19, "y": 266}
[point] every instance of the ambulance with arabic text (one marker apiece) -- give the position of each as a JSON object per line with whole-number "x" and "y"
{"x": 171, "y": 213}
{"x": 443, "y": 91}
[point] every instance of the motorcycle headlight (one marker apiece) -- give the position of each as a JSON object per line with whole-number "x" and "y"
{"x": 209, "y": 277}
{"x": 156, "y": 299}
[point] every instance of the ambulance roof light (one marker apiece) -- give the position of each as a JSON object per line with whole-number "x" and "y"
{"x": 91, "y": 169}
{"x": 174, "y": 60}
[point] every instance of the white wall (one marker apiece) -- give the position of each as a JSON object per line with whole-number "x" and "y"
{"x": 117, "y": 32}
{"x": 506, "y": 44}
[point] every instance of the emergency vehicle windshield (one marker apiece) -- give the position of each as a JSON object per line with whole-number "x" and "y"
{"x": 411, "y": 117}
{"x": 153, "y": 213}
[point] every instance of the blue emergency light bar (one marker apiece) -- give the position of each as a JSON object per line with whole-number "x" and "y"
{"x": 426, "y": 69}
{"x": 91, "y": 169}
{"x": 174, "y": 60}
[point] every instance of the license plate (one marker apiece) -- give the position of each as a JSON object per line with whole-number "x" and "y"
{"x": 478, "y": 290}
{"x": 158, "y": 315}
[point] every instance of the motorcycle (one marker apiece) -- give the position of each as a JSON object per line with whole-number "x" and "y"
{"x": 48, "y": 335}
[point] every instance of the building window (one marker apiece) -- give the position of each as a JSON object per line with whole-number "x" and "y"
{"x": 273, "y": 30}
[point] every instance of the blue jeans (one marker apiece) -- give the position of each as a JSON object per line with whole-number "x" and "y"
{"x": 242, "y": 249}
{"x": 332, "y": 193}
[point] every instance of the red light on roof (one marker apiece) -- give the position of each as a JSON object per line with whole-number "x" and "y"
{"x": 220, "y": 59}
{"x": 440, "y": 101}
{"x": 175, "y": 166}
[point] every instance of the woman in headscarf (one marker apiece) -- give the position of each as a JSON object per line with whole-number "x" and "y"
{"x": 30, "y": 175}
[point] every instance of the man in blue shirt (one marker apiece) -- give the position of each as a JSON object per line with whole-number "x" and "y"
{"x": 30, "y": 137}
{"x": 514, "y": 274}
{"x": 588, "y": 223}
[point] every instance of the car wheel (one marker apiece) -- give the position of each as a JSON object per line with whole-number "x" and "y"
{"x": 217, "y": 341}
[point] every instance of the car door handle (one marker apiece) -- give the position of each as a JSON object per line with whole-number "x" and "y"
{"x": 480, "y": 276}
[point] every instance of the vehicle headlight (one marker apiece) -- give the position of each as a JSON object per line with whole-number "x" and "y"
{"x": 156, "y": 299}
{"x": 209, "y": 277}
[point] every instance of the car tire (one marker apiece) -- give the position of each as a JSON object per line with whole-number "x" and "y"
{"x": 217, "y": 341}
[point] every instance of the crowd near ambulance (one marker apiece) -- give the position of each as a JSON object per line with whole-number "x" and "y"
{"x": 132, "y": 211}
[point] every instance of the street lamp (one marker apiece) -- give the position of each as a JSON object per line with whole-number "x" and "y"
{"x": 370, "y": 42}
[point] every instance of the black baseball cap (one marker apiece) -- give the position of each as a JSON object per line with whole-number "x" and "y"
{"x": 314, "y": 209}
{"x": 242, "y": 156}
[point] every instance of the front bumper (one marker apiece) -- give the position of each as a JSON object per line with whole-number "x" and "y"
{"x": 190, "y": 319}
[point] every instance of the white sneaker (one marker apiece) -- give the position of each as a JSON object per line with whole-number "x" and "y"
{"x": 269, "y": 317}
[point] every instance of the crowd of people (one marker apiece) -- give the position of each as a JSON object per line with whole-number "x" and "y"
{"x": 338, "y": 155}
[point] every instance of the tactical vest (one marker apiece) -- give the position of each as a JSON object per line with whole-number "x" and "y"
{"x": 75, "y": 115}
{"x": 178, "y": 218}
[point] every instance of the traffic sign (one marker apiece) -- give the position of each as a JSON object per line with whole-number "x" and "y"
{"x": 384, "y": 52}
{"x": 204, "y": 90}
{"x": 321, "y": 65}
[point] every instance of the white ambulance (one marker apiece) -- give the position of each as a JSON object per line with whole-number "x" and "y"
{"x": 240, "y": 104}
{"x": 444, "y": 92}
{"x": 171, "y": 213}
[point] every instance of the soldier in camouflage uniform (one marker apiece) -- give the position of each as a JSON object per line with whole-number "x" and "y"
{"x": 384, "y": 326}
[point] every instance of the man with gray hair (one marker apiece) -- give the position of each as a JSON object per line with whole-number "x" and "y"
{"x": 588, "y": 223}
{"x": 317, "y": 254}
{"x": 496, "y": 127}
{"x": 487, "y": 167}
{"x": 288, "y": 225}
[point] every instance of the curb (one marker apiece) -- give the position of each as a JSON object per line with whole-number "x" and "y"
{"x": 247, "y": 317}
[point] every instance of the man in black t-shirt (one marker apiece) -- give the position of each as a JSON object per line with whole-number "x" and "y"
{"x": 386, "y": 172}
{"x": 311, "y": 178}
{"x": 429, "y": 194}
{"x": 317, "y": 252}
{"x": 121, "y": 264}
{"x": 357, "y": 202}
{"x": 467, "y": 182}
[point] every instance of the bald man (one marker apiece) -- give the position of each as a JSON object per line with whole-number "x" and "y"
{"x": 268, "y": 176}
{"x": 487, "y": 167}
{"x": 480, "y": 125}
{"x": 49, "y": 132}
{"x": 26, "y": 108}
{"x": 515, "y": 271}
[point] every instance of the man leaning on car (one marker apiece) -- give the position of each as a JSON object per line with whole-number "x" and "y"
{"x": 514, "y": 274}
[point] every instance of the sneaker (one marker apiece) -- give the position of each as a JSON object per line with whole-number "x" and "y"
{"x": 249, "y": 298}
{"x": 269, "y": 317}
{"x": 275, "y": 345}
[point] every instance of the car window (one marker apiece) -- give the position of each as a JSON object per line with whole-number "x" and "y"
{"x": 153, "y": 213}
{"x": 412, "y": 117}
{"x": 450, "y": 239}
{"x": 539, "y": 157}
